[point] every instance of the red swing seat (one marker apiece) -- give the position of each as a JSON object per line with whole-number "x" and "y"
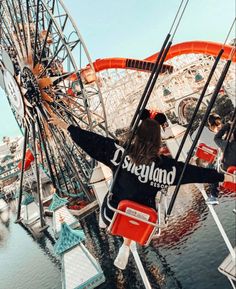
{"x": 206, "y": 153}
{"x": 134, "y": 221}
{"x": 229, "y": 186}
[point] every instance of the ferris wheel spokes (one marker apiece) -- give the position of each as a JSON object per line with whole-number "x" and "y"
{"x": 46, "y": 60}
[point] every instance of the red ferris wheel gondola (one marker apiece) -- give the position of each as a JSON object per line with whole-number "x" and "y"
{"x": 29, "y": 158}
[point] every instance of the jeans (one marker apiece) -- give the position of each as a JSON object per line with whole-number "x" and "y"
{"x": 213, "y": 187}
{"x": 214, "y": 190}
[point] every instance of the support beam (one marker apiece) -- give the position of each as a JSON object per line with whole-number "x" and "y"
{"x": 38, "y": 180}
{"x": 26, "y": 136}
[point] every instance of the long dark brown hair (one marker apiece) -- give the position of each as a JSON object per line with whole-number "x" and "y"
{"x": 146, "y": 143}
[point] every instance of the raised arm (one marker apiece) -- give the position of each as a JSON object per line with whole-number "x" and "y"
{"x": 194, "y": 174}
{"x": 97, "y": 146}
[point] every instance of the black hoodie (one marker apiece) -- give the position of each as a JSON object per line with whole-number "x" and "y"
{"x": 139, "y": 183}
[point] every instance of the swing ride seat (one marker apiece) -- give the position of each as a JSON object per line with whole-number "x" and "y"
{"x": 206, "y": 153}
{"x": 230, "y": 186}
{"x": 134, "y": 221}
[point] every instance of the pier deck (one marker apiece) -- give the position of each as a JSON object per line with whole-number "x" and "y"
{"x": 228, "y": 267}
{"x": 75, "y": 276}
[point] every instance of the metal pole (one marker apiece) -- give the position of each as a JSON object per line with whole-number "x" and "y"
{"x": 218, "y": 223}
{"x": 205, "y": 117}
{"x": 141, "y": 106}
{"x": 36, "y": 34}
{"x": 150, "y": 79}
{"x": 67, "y": 150}
{"x": 47, "y": 34}
{"x": 139, "y": 264}
{"x": 45, "y": 151}
{"x": 67, "y": 154}
{"x": 55, "y": 168}
{"x": 39, "y": 184}
{"x": 22, "y": 175}
{"x": 74, "y": 169}
{"x": 60, "y": 168}
{"x": 198, "y": 104}
{"x": 51, "y": 150}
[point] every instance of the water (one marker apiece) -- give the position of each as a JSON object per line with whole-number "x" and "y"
{"x": 25, "y": 263}
{"x": 185, "y": 260}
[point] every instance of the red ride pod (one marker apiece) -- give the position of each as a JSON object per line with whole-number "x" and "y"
{"x": 28, "y": 160}
{"x": 228, "y": 185}
{"x": 133, "y": 229}
{"x": 206, "y": 153}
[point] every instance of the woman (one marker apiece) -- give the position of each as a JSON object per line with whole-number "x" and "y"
{"x": 144, "y": 171}
{"x": 207, "y": 136}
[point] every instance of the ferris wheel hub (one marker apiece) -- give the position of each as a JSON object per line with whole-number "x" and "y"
{"x": 30, "y": 83}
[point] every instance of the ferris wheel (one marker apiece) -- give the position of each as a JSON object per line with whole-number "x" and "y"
{"x": 42, "y": 60}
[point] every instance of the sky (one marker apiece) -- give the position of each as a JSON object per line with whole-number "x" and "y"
{"x": 137, "y": 29}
